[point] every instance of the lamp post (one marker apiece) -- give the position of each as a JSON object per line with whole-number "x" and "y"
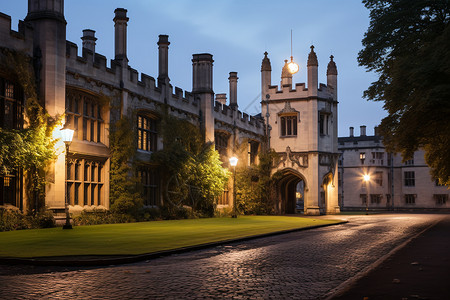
{"x": 233, "y": 163}
{"x": 366, "y": 178}
{"x": 66, "y": 136}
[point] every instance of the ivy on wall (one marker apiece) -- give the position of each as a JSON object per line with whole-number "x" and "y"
{"x": 32, "y": 148}
{"x": 191, "y": 170}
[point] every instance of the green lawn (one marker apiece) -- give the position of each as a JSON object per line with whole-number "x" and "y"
{"x": 144, "y": 237}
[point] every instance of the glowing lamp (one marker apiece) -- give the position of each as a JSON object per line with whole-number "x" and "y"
{"x": 233, "y": 161}
{"x": 66, "y": 135}
{"x": 292, "y": 66}
{"x": 366, "y": 177}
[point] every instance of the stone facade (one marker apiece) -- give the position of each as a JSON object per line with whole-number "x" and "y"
{"x": 301, "y": 125}
{"x": 76, "y": 82}
{"x": 393, "y": 184}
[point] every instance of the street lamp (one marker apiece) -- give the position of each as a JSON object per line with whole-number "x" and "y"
{"x": 66, "y": 137}
{"x": 233, "y": 163}
{"x": 366, "y": 178}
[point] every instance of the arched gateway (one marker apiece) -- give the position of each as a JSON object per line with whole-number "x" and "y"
{"x": 301, "y": 126}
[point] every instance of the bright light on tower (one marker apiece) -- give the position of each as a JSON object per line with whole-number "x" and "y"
{"x": 292, "y": 66}
{"x": 366, "y": 177}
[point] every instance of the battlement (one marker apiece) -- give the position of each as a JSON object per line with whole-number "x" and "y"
{"x": 94, "y": 65}
{"x": 21, "y": 40}
{"x": 242, "y": 120}
{"x": 299, "y": 91}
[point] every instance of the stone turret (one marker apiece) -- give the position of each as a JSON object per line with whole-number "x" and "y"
{"x": 313, "y": 79}
{"x": 233, "y": 89}
{"x": 286, "y": 76}
{"x": 332, "y": 76}
{"x": 120, "y": 34}
{"x": 266, "y": 75}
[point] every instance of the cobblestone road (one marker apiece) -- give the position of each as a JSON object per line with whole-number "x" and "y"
{"x": 301, "y": 265}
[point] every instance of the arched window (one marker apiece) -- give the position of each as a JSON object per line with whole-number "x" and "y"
{"x": 147, "y": 133}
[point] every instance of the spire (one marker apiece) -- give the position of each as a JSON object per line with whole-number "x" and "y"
{"x": 312, "y": 58}
{"x": 331, "y": 69}
{"x": 265, "y": 65}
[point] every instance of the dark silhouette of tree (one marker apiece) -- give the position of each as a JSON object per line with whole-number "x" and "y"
{"x": 408, "y": 45}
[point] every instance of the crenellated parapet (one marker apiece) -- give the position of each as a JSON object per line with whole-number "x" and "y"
{"x": 21, "y": 40}
{"x": 233, "y": 118}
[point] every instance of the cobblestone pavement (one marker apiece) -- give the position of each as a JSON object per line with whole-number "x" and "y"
{"x": 300, "y": 265}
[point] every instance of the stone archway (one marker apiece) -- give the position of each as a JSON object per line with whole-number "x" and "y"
{"x": 325, "y": 191}
{"x": 291, "y": 189}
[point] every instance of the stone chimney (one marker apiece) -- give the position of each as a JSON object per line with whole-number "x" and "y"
{"x": 376, "y": 131}
{"x": 120, "y": 34}
{"x": 202, "y": 73}
{"x": 163, "y": 60}
{"x": 363, "y": 130}
{"x": 222, "y": 98}
{"x": 351, "y": 132}
{"x": 233, "y": 89}
{"x": 89, "y": 39}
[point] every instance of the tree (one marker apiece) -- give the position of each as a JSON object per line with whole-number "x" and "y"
{"x": 32, "y": 148}
{"x": 254, "y": 185}
{"x": 191, "y": 170}
{"x": 408, "y": 45}
{"x": 124, "y": 196}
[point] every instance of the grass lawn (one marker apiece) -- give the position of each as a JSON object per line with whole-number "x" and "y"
{"x": 144, "y": 237}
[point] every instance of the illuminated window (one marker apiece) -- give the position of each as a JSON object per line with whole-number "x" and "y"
{"x": 84, "y": 182}
{"x": 288, "y": 125}
{"x": 147, "y": 133}
{"x": 84, "y": 116}
{"x": 362, "y": 157}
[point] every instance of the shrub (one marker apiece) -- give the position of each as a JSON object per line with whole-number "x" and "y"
{"x": 43, "y": 219}
{"x": 11, "y": 219}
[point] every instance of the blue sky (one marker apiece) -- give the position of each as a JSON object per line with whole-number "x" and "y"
{"x": 236, "y": 32}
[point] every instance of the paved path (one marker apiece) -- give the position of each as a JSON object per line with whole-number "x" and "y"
{"x": 301, "y": 265}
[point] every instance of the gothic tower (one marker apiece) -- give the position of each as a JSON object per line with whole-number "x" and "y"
{"x": 301, "y": 123}
{"x": 49, "y": 39}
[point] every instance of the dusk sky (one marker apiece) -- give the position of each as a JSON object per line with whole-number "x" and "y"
{"x": 236, "y": 33}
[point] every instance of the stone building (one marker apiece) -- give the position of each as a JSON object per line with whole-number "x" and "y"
{"x": 300, "y": 122}
{"x": 301, "y": 125}
{"x": 392, "y": 184}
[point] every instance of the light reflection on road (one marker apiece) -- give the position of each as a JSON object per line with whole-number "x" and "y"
{"x": 301, "y": 265}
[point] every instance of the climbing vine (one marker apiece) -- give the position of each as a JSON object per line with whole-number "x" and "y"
{"x": 124, "y": 197}
{"x": 191, "y": 170}
{"x": 31, "y": 148}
